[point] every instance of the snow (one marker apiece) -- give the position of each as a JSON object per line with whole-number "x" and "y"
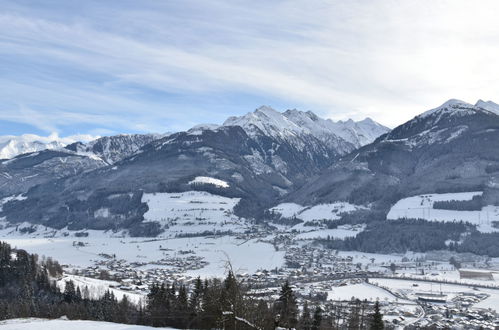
{"x": 365, "y": 258}
{"x": 102, "y": 213}
{"x": 491, "y": 302}
{"x": 292, "y": 123}
{"x": 64, "y": 324}
{"x": 488, "y": 105}
{"x": 407, "y": 288}
{"x": 458, "y": 107}
{"x": 361, "y": 291}
{"x": 421, "y": 207}
{"x": 245, "y": 255}
{"x": 209, "y": 180}
{"x": 317, "y": 212}
{"x": 11, "y": 146}
{"x": 192, "y": 212}
{"x": 97, "y": 288}
{"x": 4, "y": 200}
{"x": 452, "y": 106}
{"x": 199, "y": 129}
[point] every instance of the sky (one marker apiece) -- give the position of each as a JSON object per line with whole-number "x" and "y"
{"x": 102, "y": 67}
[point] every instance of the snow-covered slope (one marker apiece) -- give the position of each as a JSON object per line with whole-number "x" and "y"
{"x": 11, "y": 146}
{"x": 330, "y": 211}
{"x": 298, "y": 123}
{"x": 193, "y": 212}
{"x": 64, "y": 324}
{"x": 454, "y": 107}
{"x": 421, "y": 207}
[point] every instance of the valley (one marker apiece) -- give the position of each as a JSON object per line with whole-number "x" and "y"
{"x": 205, "y": 239}
{"x": 346, "y": 217}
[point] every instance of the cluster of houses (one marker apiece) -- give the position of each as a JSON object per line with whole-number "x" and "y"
{"x": 139, "y": 276}
{"x": 447, "y": 316}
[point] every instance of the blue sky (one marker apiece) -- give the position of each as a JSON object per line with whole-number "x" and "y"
{"x": 106, "y": 67}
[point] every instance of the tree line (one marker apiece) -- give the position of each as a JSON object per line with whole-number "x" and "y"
{"x": 399, "y": 236}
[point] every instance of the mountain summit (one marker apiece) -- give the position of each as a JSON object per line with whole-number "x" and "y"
{"x": 295, "y": 123}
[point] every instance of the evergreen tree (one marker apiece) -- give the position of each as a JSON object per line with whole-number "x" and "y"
{"x": 306, "y": 318}
{"x": 377, "y": 319}
{"x": 195, "y": 298}
{"x": 317, "y": 321}
{"x": 286, "y": 307}
{"x": 69, "y": 292}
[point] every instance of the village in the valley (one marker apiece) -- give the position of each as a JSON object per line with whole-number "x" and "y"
{"x": 204, "y": 239}
{"x": 412, "y": 290}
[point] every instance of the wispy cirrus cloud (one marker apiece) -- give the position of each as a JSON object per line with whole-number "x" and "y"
{"x": 160, "y": 66}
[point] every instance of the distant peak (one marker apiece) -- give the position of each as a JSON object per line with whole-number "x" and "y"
{"x": 367, "y": 120}
{"x": 480, "y": 103}
{"x": 488, "y": 106}
{"x": 266, "y": 109}
{"x": 449, "y": 106}
{"x": 200, "y": 128}
{"x": 454, "y": 102}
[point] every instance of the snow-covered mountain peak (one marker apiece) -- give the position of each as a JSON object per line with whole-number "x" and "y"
{"x": 265, "y": 120}
{"x": 368, "y": 121}
{"x": 11, "y": 146}
{"x": 298, "y": 123}
{"x": 266, "y": 110}
{"x": 452, "y": 106}
{"x": 488, "y": 105}
{"x": 198, "y": 129}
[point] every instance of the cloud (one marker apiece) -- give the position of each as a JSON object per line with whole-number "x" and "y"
{"x": 54, "y": 136}
{"x": 164, "y": 65}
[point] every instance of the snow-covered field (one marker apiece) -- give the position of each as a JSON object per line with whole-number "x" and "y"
{"x": 361, "y": 291}
{"x": 317, "y": 212}
{"x": 61, "y": 324}
{"x": 193, "y": 212}
{"x": 421, "y": 207}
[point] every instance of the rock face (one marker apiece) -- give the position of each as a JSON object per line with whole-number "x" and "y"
{"x": 447, "y": 149}
{"x": 262, "y": 156}
{"x": 111, "y": 149}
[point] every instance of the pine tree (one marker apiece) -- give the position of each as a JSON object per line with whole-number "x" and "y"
{"x": 316, "y": 323}
{"x": 286, "y": 307}
{"x": 69, "y": 292}
{"x": 195, "y": 298}
{"x": 124, "y": 308}
{"x": 377, "y": 319}
{"x": 306, "y": 319}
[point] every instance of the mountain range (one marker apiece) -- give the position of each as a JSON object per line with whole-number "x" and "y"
{"x": 264, "y": 157}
